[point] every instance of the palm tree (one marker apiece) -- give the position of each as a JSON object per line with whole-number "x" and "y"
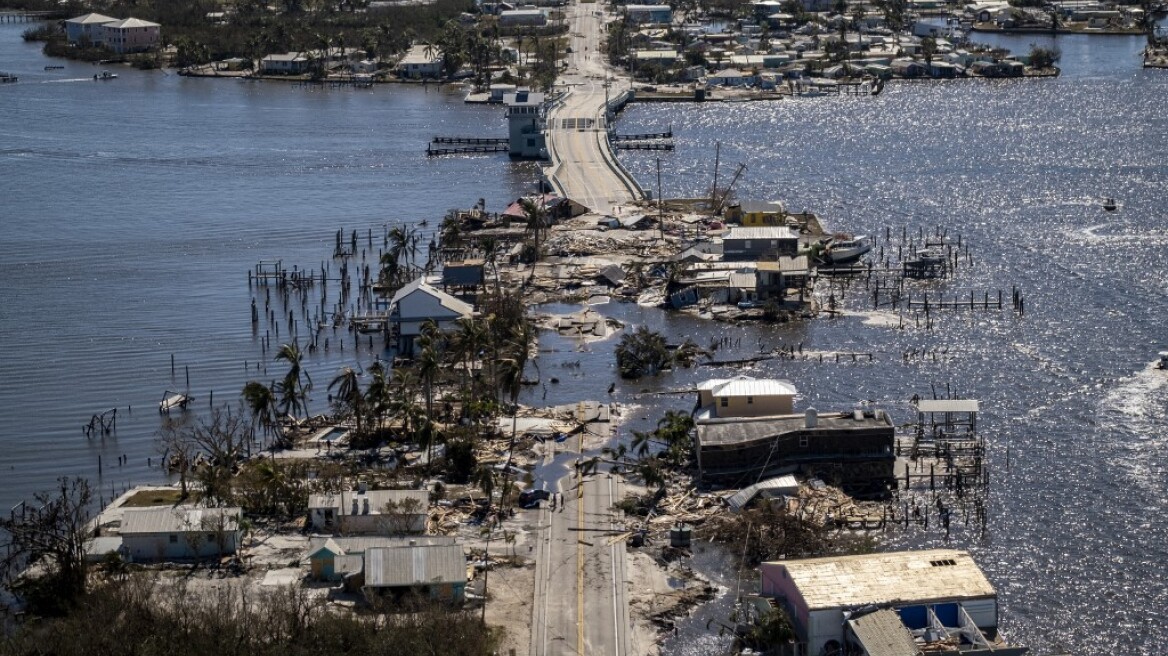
{"x": 261, "y": 400}
{"x": 349, "y": 396}
{"x": 377, "y": 394}
{"x": 296, "y": 384}
{"x": 535, "y": 215}
{"x": 428, "y": 363}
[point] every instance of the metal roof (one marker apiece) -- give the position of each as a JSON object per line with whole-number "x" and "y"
{"x": 883, "y": 634}
{"x": 777, "y": 485}
{"x": 947, "y": 405}
{"x": 786, "y": 264}
{"x": 733, "y": 431}
{"x": 132, "y": 22}
{"x": 91, "y": 19}
{"x": 747, "y": 386}
{"x": 178, "y": 520}
{"x": 361, "y": 544}
{"x": 897, "y": 578}
{"x": 343, "y": 502}
{"x": 419, "y": 565}
{"x": 445, "y": 300}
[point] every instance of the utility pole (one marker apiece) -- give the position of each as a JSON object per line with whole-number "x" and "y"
{"x": 714, "y": 189}
{"x": 729, "y": 187}
{"x": 660, "y": 204}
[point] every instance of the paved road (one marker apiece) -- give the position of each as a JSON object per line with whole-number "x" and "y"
{"x": 581, "y": 605}
{"x": 582, "y": 165}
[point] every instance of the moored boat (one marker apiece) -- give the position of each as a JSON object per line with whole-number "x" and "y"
{"x": 844, "y": 249}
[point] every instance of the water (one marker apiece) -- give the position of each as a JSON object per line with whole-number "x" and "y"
{"x": 1074, "y": 544}
{"x": 132, "y": 210}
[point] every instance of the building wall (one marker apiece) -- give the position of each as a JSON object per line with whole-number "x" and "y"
{"x": 753, "y": 406}
{"x": 94, "y": 31}
{"x": 377, "y": 524}
{"x": 755, "y": 249}
{"x": 149, "y": 547}
{"x": 857, "y": 457}
{"x": 131, "y": 39}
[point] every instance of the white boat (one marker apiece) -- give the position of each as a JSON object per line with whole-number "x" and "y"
{"x": 172, "y": 400}
{"x": 105, "y": 75}
{"x": 842, "y": 249}
{"x": 1162, "y": 363}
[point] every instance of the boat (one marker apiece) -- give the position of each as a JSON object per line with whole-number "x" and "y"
{"x": 1162, "y": 363}
{"x": 7, "y": 78}
{"x": 54, "y": 68}
{"x": 105, "y": 75}
{"x": 843, "y": 249}
{"x": 1109, "y": 204}
{"x": 171, "y": 400}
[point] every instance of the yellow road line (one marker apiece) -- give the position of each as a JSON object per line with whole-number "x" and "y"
{"x": 580, "y": 558}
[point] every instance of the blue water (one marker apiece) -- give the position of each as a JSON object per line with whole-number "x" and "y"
{"x": 132, "y": 210}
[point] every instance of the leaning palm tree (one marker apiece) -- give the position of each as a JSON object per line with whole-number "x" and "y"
{"x": 377, "y": 396}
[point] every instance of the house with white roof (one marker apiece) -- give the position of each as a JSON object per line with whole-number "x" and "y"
{"x": 416, "y": 304}
{"x": 743, "y": 396}
{"x": 286, "y": 63}
{"x": 892, "y": 604}
{"x": 87, "y": 28}
{"x": 421, "y": 61}
{"x": 131, "y": 35}
{"x": 181, "y": 533}
{"x": 436, "y": 571}
{"x": 370, "y": 512}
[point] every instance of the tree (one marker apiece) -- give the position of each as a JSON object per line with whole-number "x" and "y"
{"x": 178, "y": 451}
{"x": 642, "y": 353}
{"x": 262, "y": 402}
{"x": 928, "y": 49}
{"x": 50, "y": 533}
{"x": 1041, "y": 57}
{"x": 293, "y": 390}
{"x": 349, "y": 397}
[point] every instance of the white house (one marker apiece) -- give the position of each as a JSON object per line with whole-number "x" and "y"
{"x": 650, "y": 14}
{"x": 938, "y": 595}
{"x": 370, "y": 512}
{"x": 743, "y": 396}
{"x": 522, "y": 17}
{"x": 730, "y": 77}
{"x": 182, "y": 533}
{"x": 421, "y": 62}
{"x": 416, "y": 304}
{"x": 288, "y": 63}
{"x": 87, "y": 28}
{"x": 131, "y": 35}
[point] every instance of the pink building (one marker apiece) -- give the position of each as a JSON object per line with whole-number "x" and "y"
{"x": 131, "y": 35}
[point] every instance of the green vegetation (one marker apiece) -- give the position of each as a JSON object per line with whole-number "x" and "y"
{"x": 140, "y": 616}
{"x": 1041, "y": 57}
{"x": 644, "y": 352}
{"x": 770, "y": 531}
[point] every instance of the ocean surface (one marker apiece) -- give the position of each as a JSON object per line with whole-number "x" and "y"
{"x": 133, "y": 209}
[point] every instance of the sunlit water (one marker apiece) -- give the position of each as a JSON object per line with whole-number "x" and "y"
{"x": 132, "y": 209}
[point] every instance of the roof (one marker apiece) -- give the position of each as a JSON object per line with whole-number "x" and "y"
{"x": 760, "y": 232}
{"x": 132, "y": 22}
{"x": 729, "y": 72}
{"x": 751, "y": 206}
{"x": 786, "y": 264}
{"x": 947, "y": 405}
{"x": 747, "y": 386}
{"x": 417, "y": 55}
{"x": 285, "y": 56}
{"x": 896, "y": 578}
{"x": 731, "y": 431}
{"x": 360, "y": 544}
{"x": 377, "y": 500}
{"x": 523, "y": 99}
{"x": 446, "y": 300}
{"x": 91, "y": 19}
{"x": 182, "y": 519}
{"x": 521, "y": 12}
{"x": 775, "y": 486}
{"x": 419, "y": 565}
{"x": 883, "y": 634}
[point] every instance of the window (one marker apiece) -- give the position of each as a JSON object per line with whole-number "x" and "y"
{"x": 803, "y": 441}
{"x": 724, "y": 401}
{"x": 746, "y": 244}
{"x": 210, "y": 537}
{"x": 948, "y": 562}
{"x": 173, "y": 538}
{"x": 749, "y": 400}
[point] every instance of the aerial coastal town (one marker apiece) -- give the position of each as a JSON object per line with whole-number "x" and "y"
{"x": 420, "y": 501}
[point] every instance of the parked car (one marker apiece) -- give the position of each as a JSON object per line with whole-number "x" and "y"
{"x": 531, "y": 498}
{"x": 748, "y": 305}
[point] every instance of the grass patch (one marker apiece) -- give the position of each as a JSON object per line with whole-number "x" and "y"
{"x": 150, "y": 498}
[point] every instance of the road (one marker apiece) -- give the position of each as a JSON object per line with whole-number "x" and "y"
{"x": 582, "y": 164}
{"x": 581, "y": 604}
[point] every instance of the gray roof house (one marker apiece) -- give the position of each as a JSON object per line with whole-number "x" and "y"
{"x": 182, "y": 533}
